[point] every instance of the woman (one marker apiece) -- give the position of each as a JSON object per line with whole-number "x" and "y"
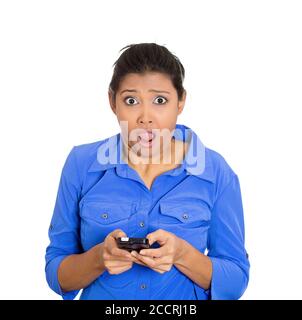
{"x": 154, "y": 179}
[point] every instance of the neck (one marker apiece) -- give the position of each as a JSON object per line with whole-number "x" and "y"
{"x": 173, "y": 155}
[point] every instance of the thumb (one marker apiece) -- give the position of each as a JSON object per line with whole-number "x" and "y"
{"x": 118, "y": 233}
{"x": 156, "y": 236}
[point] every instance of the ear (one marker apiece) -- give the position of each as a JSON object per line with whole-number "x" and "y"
{"x": 112, "y": 102}
{"x": 182, "y": 102}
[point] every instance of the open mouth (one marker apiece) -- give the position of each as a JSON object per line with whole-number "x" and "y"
{"x": 146, "y": 139}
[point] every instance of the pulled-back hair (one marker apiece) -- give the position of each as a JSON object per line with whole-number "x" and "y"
{"x": 147, "y": 57}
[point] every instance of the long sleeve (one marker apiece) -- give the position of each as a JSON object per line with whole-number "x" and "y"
{"x": 64, "y": 230}
{"x": 226, "y": 245}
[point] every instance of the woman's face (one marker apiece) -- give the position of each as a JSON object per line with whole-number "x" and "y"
{"x": 147, "y": 107}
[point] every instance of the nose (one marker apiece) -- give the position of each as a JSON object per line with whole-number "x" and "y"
{"x": 145, "y": 117}
{"x": 142, "y": 121}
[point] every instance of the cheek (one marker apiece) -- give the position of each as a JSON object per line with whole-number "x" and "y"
{"x": 127, "y": 117}
{"x": 123, "y": 114}
{"x": 168, "y": 113}
{"x": 131, "y": 116}
{"x": 167, "y": 120}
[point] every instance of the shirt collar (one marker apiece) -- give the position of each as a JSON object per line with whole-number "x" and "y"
{"x": 196, "y": 161}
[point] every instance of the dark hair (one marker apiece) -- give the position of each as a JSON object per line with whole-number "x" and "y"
{"x": 144, "y": 57}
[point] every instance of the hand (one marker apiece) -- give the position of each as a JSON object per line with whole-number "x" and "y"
{"x": 116, "y": 260}
{"x": 162, "y": 259}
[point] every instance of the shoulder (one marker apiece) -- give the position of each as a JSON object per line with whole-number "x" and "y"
{"x": 84, "y": 154}
{"x": 221, "y": 171}
{"x": 218, "y": 162}
{"x": 80, "y": 158}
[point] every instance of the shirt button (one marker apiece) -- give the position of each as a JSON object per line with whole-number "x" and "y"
{"x": 143, "y": 286}
{"x": 185, "y": 216}
{"x": 142, "y": 224}
{"x": 104, "y": 215}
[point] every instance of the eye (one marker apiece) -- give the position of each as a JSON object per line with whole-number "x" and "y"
{"x": 130, "y": 100}
{"x": 161, "y": 100}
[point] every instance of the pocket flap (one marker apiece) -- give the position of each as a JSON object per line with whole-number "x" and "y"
{"x": 185, "y": 211}
{"x": 107, "y": 212}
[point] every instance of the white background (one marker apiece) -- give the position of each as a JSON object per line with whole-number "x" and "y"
{"x": 243, "y": 79}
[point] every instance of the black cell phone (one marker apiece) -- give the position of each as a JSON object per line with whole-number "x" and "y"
{"x": 130, "y": 244}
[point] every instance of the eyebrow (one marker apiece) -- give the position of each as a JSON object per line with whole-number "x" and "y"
{"x": 151, "y": 90}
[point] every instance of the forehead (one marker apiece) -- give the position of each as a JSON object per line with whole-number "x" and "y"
{"x": 147, "y": 80}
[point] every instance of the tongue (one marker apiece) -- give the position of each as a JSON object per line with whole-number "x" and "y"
{"x": 146, "y": 136}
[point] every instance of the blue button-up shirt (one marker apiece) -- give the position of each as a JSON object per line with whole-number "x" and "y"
{"x": 199, "y": 201}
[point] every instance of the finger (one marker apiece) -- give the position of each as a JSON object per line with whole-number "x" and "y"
{"x": 115, "y": 250}
{"x": 157, "y": 253}
{"x": 118, "y": 270}
{"x": 163, "y": 263}
{"x": 147, "y": 260}
{"x": 117, "y": 264}
{"x": 121, "y": 253}
{"x": 133, "y": 255}
{"x": 140, "y": 262}
{"x": 158, "y": 270}
{"x": 118, "y": 233}
{"x": 158, "y": 264}
{"x": 119, "y": 258}
{"x": 160, "y": 236}
{"x": 111, "y": 238}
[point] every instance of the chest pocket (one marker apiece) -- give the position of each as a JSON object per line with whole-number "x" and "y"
{"x": 99, "y": 218}
{"x": 184, "y": 213}
{"x": 106, "y": 213}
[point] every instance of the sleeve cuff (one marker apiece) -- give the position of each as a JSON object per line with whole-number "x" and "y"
{"x": 201, "y": 293}
{"x": 52, "y": 279}
{"x": 228, "y": 280}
